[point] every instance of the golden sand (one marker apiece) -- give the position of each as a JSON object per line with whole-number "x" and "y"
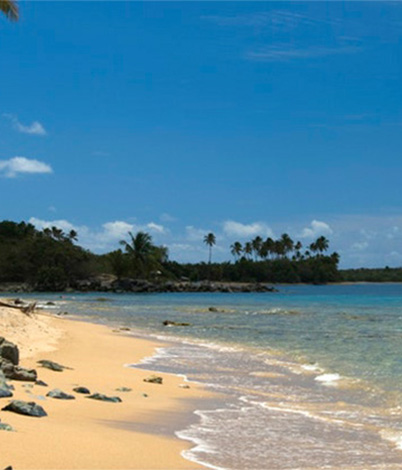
{"x": 84, "y": 433}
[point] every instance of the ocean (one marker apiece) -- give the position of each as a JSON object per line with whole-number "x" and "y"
{"x": 309, "y": 377}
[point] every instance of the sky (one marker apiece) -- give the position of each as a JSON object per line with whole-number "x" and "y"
{"x": 179, "y": 119}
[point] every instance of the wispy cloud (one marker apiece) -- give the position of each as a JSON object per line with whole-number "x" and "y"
{"x": 275, "y": 19}
{"x": 35, "y": 128}
{"x": 284, "y": 52}
{"x": 21, "y": 165}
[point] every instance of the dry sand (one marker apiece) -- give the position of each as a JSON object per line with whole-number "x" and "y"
{"x": 84, "y": 433}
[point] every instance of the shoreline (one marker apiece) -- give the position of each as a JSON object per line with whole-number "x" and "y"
{"x": 132, "y": 434}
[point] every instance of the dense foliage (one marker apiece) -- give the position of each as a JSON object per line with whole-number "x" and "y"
{"x": 50, "y": 259}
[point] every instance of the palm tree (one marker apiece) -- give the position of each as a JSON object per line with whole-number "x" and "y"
{"x": 236, "y": 250}
{"x": 256, "y": 244}
{"x": 210, "y": 240}
{"x": 320, "y": 245}
{"x": 140, "y": 251}
{"x": 248, "y": 249}
{"x": 287, "y": 243}
{"x": 10, "y": 9}
{"x": 73, "y": 235}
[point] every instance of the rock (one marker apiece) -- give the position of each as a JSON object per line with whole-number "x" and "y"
{"x": 14, "y": 372}
{"x": 184, "y": 386}
{"x": 175, "y": 323}
{"x": 5, "y": 427}
{"x": 52, "y": 365}
{"x": 50, "y": 303}
{"x": 124, "y": 328}
{"x": 41, "y": 383}
{"x": 81, "y": 390}
{"x": 59, "y": 394}
{"x": 213, "y": 309}
{"x": 123, "y": 389}
{"x": 5, "y": 389}
{"x": 9, "y": 351}
{"x": 101, "y": 397}
{"x": 9, "y": 468}
{"x": 25, "y": 408}
{"x": 145, "y": 395}
{"x": 5, "y": 392}
{"x": 154, "y": 379}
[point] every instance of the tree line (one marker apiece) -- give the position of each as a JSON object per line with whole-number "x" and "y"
{"x": 52, "y": 260}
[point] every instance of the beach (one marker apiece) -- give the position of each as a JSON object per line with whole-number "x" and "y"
{"x": 84, "y": 433}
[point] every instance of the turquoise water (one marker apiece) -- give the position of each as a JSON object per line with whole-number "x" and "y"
{"x": 311, "y": 376}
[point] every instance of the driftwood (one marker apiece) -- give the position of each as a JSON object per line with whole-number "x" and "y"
{"x": 25, "y": 308}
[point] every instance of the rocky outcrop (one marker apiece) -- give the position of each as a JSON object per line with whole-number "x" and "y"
{"x": 110, "y": 284}
{"x": 25, "y": 408}
{"x": 9, "y": 359}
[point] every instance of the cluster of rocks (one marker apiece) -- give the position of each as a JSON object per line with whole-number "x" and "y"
{"x": 103, "y": 284}
{"x": 11, "y": 370}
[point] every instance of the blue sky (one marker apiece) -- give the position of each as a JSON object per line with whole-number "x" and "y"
{"x": 184, "y": 118}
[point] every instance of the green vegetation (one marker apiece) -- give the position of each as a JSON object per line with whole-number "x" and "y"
{"x": 10, "y": 9}
{"x": 52, "y": 260}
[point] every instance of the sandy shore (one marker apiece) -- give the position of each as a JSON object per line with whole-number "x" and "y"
{"x": 84, "y": 433}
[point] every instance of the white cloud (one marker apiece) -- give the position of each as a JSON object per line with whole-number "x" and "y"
{"x": 237, "y": 229}
{"x": 36, "y": 128}
{"x": 316, "y": 229}
{"x": 105, "y": 238}
{"x": 18, "y": 165}
{"x": 116, "y": 230}
{"x": 195, "y": 234}
{"x": 155, "y": 227}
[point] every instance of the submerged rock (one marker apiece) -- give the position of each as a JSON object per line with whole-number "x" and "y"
{"x": 81, "y": 390}
{"x": 25, "y": 408}
{"x": 175, "y": 323}
{"x": 52, "y": 365}
{"x": 59, "y": 394}
{"x": 154, "y": 379}
{"x": 101, "y": 397}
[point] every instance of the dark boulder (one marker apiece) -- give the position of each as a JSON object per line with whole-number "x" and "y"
{"x": 81, "y": 390}
{"x": 101, "y": 397}
{"x": 25, "y": 408}
{"x": 9, "y": 351}
{"x": 14, "y": 372}
{"x": 60, "y": 395}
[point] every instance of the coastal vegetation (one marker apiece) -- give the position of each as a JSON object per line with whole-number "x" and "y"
{"x": 10, "y": 9}
{"x": 52, "y": 260}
